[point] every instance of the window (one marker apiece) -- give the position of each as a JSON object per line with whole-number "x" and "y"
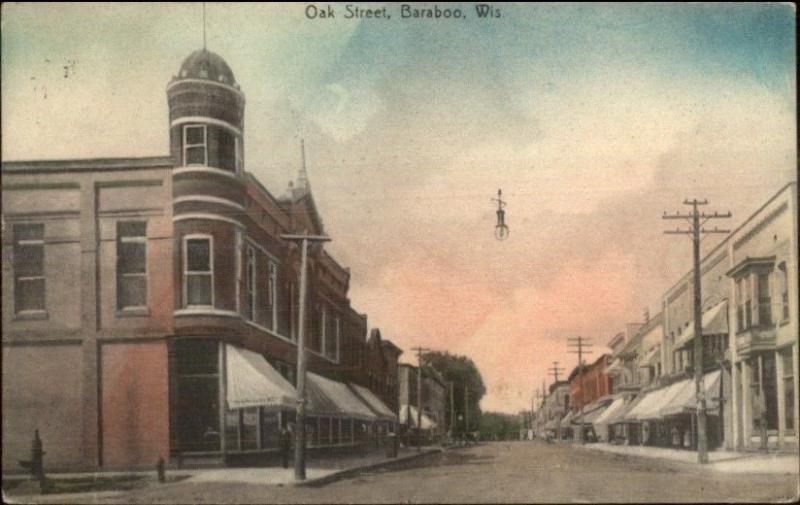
{"x": 783, "y": 279}
{"x": 765, "y": 400}
{"x": 194, "y": 145}
{"x": 131, "y": 265}
{"x": 272, "y": 296}
{"x": 331, "y": 336}
{"x": 744, "y": 306}
{"x": 788, "y": 387}
{"x": 196, "y": 426}
{"x": 764, "y": 300}
{"x": 250, "y": 283}
{"x": 29, "y": 268}
{"x": 198, "y": 275}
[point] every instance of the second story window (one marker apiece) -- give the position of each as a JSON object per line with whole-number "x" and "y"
{"x": 783, "y": 279}
{"x": 198, "y": 273}
{"x": 29, "y": 283}
{"x": 131, "y": 265}
{"x": 250, "y": 283}
{"x": 194, "y": 145}
{"x": 272, "y": 296}
{"x": 764, "y": 301}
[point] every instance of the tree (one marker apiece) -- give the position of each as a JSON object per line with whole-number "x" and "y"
{"x": 499, "y": 426}
{"x": 461, "y": 371}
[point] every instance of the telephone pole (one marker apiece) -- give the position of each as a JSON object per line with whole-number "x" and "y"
{"x": 419, "y": 350}
{"x": 300, "y": 425}
{"x": 695, "y": 231}
{"x": 554, "y": 371}
{"x": 579, "y": 346}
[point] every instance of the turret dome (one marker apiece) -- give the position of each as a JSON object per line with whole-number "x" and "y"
{"x": 203, "y": 64}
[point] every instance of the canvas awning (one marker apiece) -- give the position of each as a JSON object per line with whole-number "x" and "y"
{"x": 567, "y": 418}
{"x": 329, "y": 398}
{"x": 651, "y": 357}
{"x": 651, "y": 406}
{"x": 408, "y": 416}
{"x": 252, "y": 382}
{"x": 643, "y": 404}
{"x": 616, "y": 407}
{"x": 375, "y": 403}
{"x": 592, "y": 411}
{"x": 715, "y": 322}
{"x": 685, "y": 399}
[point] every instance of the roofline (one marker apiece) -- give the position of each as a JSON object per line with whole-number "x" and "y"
{"x": 733, "y": 232}
{"x": 87, "y": 164}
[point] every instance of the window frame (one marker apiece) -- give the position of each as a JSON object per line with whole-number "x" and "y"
{"x": 29, "y": 278}
{"x": 137, "y": 239}
{"x": 185, "y": 270}
{"x": 250, "y": 280}
{"x": 272, "y": 293}
{"x": 185, "y": 145}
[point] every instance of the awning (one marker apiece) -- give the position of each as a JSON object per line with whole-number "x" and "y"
{"x": 650, "y": 407}
{"x": 616, "y": 407}
{"x": 329, "y": 398}
{"x": 567, "y": 418}
{"x": 650, "y": 358}
{"x": 615, "y": 367}
{"x": 408, "y": 416}
{"x": 373, "y": 402}
{"x": 592, "y": 411}
{"x": 685, "y": 399}
{"x": 715, "y": 322}
{"x": 644, "y": 403}
{"x": 252, "y": 382}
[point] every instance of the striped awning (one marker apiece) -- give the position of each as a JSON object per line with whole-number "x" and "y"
{"x": 252, "y": 382}
{"x": 330, "y": 398}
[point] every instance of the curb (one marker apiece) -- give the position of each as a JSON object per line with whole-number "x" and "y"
{"x": 352, "y": 472}
{"x": 710, "y": 466}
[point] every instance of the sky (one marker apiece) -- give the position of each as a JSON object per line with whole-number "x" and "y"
{"x": 593, "y": 119}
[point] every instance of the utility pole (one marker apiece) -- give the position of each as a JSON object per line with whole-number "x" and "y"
{"x": 466, "y": 408}
{"x": 695, "y": 231}
{"x": 540, "y": 396}
{"x": 300, "y": 425}
{"x": 452, "y": 410}
{"x": 555, "y": 370}
{"x": 580, "y": 346}
{"x": 419, "y": 350}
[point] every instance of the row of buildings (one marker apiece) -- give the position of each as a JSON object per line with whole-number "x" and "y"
{"x": 643, "y": 392}
{"x": 150, "y": 305}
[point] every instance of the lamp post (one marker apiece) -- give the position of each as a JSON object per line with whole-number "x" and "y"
{"x": 300, "y": 431}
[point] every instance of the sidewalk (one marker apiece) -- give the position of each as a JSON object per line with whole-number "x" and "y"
{"x": 319, "y": 471}
{"x": 719, "y": 460}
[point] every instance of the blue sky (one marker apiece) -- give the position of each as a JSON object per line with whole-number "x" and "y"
{"x": 592, "y": 118}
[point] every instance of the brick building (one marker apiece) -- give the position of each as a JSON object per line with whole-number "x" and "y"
{"x": 150, "y": 306}
{"x": 590, "y": 383}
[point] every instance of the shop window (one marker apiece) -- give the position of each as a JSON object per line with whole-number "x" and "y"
{"x": 765, "y": 401}
{"x": 29, "y": 281}
{"x": 248, "y": 432}
{"x": 198, "y": 273}
{"x": 270, "y": 429}
{"x": 196, "y": 398}
{"x": 788, "y": 387}
{"x": 250, "y": 283}
{"x": 131, "y": 265}
{"x": 195, "y": 150}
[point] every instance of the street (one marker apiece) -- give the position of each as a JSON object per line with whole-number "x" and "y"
{"x": 500, "y": 472}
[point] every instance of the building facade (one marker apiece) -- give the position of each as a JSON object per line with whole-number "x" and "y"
{"x": 433, "y": 400}
{"x": 144, "y": 299}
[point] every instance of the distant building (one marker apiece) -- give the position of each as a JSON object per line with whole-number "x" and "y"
{"x": 434, "y": 392}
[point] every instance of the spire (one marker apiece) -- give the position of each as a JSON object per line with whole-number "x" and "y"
{"x": 302, "y": 187}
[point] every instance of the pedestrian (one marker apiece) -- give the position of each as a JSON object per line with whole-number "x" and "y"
{"x": 676, "y": 437}
{"x": 286, "y": 443}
